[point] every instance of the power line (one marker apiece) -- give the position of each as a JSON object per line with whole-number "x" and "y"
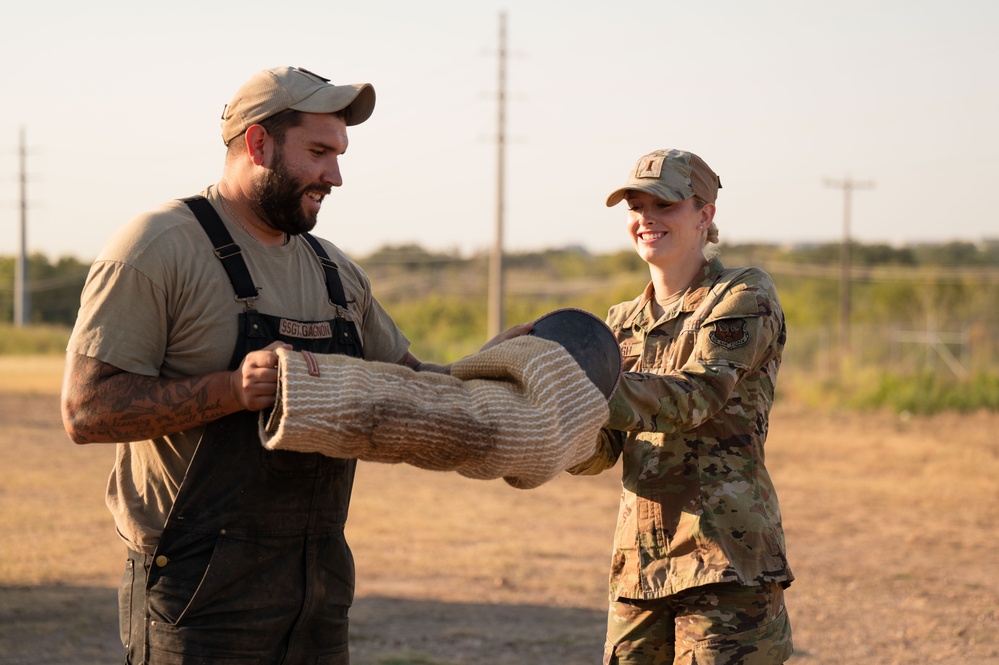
{"x": 926, "y": 274}
{"x": 53, "y": 283}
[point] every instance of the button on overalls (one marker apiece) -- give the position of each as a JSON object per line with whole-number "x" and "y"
{"x": 252, "y": 566}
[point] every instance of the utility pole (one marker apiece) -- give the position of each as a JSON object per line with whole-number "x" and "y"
{"x": 22, "y": 299}
{"x": 496, "y": 257}
{"x": 847, "y": 185}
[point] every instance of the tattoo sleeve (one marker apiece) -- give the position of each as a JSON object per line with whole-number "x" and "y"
{"x": 103, "y": 404}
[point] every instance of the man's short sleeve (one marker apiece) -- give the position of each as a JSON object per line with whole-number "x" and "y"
{"x": 122, "y": 319}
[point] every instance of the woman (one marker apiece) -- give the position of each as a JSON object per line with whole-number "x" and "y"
{"x": 699, "y": 566}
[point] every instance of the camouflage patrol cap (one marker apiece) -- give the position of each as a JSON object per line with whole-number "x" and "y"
{"x": 271, "y": 91}
{"x": 672, "y": 175}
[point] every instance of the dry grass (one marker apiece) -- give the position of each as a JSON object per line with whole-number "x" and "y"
{"x": 891, "y": 528}
{"x": 36, "y": 375}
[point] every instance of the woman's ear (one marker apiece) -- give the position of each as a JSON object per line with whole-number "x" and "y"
{"x": 707, "y": 215}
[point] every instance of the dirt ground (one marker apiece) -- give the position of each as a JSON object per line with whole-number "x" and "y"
{"x": 891, "y": 526}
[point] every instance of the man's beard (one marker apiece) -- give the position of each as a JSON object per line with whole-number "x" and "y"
{"x": 278, "y": 199}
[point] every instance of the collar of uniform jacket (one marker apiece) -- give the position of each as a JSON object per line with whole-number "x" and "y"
{"x": 689, "y": 302}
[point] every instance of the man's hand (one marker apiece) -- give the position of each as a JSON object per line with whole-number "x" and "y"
{"x": 255, "y": 382}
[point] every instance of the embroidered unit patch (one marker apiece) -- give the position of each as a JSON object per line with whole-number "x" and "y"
{"x": 730, "y": 333}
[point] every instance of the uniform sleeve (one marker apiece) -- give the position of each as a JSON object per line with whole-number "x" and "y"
{"x": 609, "y": 445}
{"x": 741, "y": 334}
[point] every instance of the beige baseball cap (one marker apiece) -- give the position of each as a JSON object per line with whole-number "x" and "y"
{"x": 672, "y": 175}
{"x": 271, "y": 91}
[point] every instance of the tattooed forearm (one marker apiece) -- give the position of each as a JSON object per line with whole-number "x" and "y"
{"x": 104, "y": 404}
{"x": 139, "y": 407}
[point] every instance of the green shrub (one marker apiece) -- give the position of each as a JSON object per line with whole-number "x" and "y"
{"x": 929, "y": 392}
{"x": 33, "y": 340}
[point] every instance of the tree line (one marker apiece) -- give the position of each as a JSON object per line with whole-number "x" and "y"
{"x": 891, "y": 283}
{"x": 923, "y": 323}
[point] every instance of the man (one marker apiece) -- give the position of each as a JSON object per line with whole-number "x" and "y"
{"x": 235, "y": 553}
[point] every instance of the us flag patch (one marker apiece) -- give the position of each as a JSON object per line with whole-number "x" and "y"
{"x": 730, "y": 333}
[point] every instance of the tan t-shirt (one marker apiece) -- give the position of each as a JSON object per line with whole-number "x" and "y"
{"x": 158, "y": 302}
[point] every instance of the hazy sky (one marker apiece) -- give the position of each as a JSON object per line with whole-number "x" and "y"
{"x": 121, "y": 103}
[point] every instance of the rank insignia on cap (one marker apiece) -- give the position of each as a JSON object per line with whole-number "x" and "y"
{"x": 651, "y": 167}
{"x": 730, "y": 333}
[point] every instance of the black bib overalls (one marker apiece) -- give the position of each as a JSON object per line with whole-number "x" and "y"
{"x": 252, "y": 566}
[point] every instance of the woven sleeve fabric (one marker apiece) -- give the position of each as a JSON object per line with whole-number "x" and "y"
{"x": 523, "y": 411}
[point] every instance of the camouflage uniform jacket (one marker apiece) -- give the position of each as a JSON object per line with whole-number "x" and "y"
{"x": 690, "y": 418}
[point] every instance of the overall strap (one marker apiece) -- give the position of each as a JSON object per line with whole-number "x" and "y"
{"x": 226, "y": 249}
{"x": 231, "y": 255}
{"x": 334, "y": 287}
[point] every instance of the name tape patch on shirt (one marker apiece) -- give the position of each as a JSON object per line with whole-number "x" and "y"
{"x": 301, "y": 330}
{"x": 730, "y": 333}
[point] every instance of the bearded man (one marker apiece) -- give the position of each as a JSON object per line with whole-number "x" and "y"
{"x": 235, "y": 553}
